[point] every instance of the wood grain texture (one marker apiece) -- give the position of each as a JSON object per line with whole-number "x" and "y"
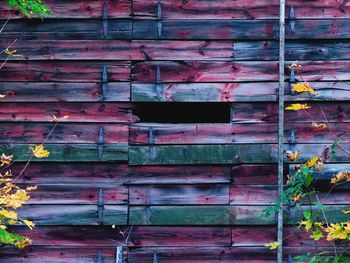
{"x": 62, "y": 71}
{"x": 78, "y": 9}
{"x": 114, "y": 174}
{"x": 178, "y": 194}
{"x": 70, "y": 29}
{"x": 65, "y": 92}
{"x": 162, "y": 236}
{"x": 74, "y": 215}
{"x": 69, "y": 152}
{"x": 62, "y": 133}
{"x": 57, "y": 255}
{"x": 77, "y": 112}
{"x": 254, "y": 174}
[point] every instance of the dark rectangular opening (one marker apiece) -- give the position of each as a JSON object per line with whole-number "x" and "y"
{"x": 183, "y": 112}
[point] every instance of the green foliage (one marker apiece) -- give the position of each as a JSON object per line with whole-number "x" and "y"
{"x": 321, "y": 258}
{"x": 30, "y": 7}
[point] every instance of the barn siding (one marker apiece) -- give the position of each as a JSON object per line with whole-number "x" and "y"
{"x": 189, "y": 192}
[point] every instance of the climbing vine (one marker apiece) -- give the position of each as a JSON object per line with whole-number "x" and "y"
{"x": 301, "y": 190}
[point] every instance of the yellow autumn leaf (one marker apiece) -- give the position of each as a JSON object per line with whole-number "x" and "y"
{"x": 31, "y": 188}
{"x": 320, "y": 166}
{"x": 295, "y": 66}
{"x": 272, "y": 245}
{"x": 298, "y": 106}
{"x": 337, "y": 231}
{"x": 306, "y": 223}
{"x": 293, "y": 156}
{"x": 340, "y": 176}
{"x": 3, "y": 227}
{"x": 40, "y": 152}
{"x": 296, "y": 198}
{"x": 303, "y": 87}
{"x": 8, "y": 214}
{"x": 5, "y": 159}
{"x": 12, "y": 53}
{"x": 29, "y": 224}
{"x": 312, "y": 162}
{"x": 22, "y": 243}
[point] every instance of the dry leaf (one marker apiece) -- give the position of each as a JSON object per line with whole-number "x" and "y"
{"x": 58, "y": 119}
{"x": 298, "y": 106}
{"x": 40, "y": 152}
{"x": 303, "y": 87}
{"x": 293, "y": 156}
{"x": 5, "y": 159}
{"x": 319, "y": 125}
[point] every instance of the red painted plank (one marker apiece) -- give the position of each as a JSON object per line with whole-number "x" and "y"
{"x": 77, "y": 194}
{"x": 203, "y": 71}
{"x": 62, "y": 133}
{"x": 252, "y": 236}
{"x": 70, "y": 92}
{"x": 77, "y": 112}
{"x": 61, "y": 71}
{"x": 106, "y": 174}
{"x": 202, "y": 133}
{"x": 78, "y": 9}
{"x": 160, "y": 236}
{"x": 267, "y": 112}
{"x": 254, "y": 174}
{"x": 74, "y": 236}
{"x": 57, "y": 255}
{"x": 178, "y": 194}
{"x": 252, "y": 195}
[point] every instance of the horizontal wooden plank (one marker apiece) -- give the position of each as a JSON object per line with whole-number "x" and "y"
{"x": 176, "y": 50}
{"x": 157, "y": 133}
{"x": 203, "y": 254}
{"x": 57, "y": 254}
{"x": 222, "y": 215}
{"x": 62, "y": 71}
{"x": 239, "y": 29}
{"x": 73, "y": 214}
{"x": 205, "y": 71}
{"x": 263, "y": 174}
{"x": 226, "y": 9}
{"x": 69, "y": 152}
{"x": 70, "y": 92}
{"x": 77, "y": 112}
{"x": 205, "y": 92}
{"x": 178, "y": 194}
{"x": 62, "y": 133}
{"x": 224, "y": 154}
{"x": 108, "y": 174}
{"x": 156, "y": 236}
{"x": 202, "y": 154}
{"x": 78, "y": 9}
{"x": 268, "y": 112}
{"x": 72, "y": 29}
{"x": 77, "y": 194}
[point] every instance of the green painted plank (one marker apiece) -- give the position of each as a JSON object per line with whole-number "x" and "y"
{"x": 202, "y": 154}
{"x": 222, "y": 215}
{"x": 70, "y": 152}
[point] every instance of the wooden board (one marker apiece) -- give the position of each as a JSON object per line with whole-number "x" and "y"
{"x": 63, "y": 71}
{"x": 74, "y": 215}
{"x": 178, "y": 194}
{"x": 78, "y": 9}
{"x": 62, "y": 133}
{"x": 70, "y": 29}
{"x": 62, "y": 92}
{"x": 69, "y": 152}
{"x": 254, "y": 174}
{"x": 77, "y": 112}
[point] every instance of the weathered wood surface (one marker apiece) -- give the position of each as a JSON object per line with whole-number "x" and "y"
{"x": 226, "y": 9}
{"x": 178, "y": 194}
{"x": 157, "y": 134}
{"x": 78, "y": 194}
{"x": 240, "y": 29}
{"x": 267, "y": 112}
{"x": 224, "y": 154}
{"x": 144, "y": 236}
{"x": 107, "y": 174}
{"x": 74, "y": 215}
{"x": 57, "y": 255}
{"x": 222, "y": 215}
{"x": 252, "y": 71}
{"x": 176, "y": 50}
{"x": 74, "y": 236}
{"x": 36, "y": 29}
{"x": 65, "y": 92}
{"x": 62, "y": 71}
{"x": 78, "y": 9}
{"x": 77, "y": 112}
{"x": 69, "y": 152}
{"x": 62, "y": 133}
{"x": 254, "y": 174}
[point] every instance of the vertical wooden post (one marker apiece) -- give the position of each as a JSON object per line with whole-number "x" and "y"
{"x": 281, "y": 128}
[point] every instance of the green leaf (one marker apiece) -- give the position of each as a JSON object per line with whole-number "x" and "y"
{"x": 317, "y": 235}
{"x": 272, "y": 245}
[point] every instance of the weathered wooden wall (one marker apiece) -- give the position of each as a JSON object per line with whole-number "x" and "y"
{"x": 189, "y": 192}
